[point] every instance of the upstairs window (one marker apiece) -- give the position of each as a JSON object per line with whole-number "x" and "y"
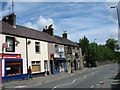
{"x": 69, "y": 50}
{"x": 11, "y": 41}
{"x": 56, "y": 49}
{"x": 37, "y": 47}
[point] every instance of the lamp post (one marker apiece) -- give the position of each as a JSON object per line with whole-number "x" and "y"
{"x": 95, "y": 53}
{"x": 117, "y": 15}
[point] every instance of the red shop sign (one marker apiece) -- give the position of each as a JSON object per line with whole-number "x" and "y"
{"x": 10, "y": 56}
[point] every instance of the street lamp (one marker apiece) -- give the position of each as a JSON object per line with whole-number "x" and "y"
{"x": 94, "y": 40}
{"x": 95, "y": 51}
{"x": 117, "y": 14}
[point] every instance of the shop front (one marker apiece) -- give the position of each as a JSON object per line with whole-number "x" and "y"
{"x": 12, "y": 67}
{"x": 59, "y": 65}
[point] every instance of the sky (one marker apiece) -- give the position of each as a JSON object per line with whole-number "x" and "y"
{"x": 95, "y": 20}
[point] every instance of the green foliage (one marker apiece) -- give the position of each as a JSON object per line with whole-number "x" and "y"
{"x": 112, "y": 44}
{"x": 84, "y": 43}
{"x": 99, "y": 53}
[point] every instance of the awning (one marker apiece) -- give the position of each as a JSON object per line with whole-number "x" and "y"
{"x": 61, "y": 59}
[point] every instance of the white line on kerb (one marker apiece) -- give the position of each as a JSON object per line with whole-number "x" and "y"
{"x": 20, "y": 86}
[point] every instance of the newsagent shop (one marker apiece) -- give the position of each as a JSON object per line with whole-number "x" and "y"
{"x": 12, "y": 67}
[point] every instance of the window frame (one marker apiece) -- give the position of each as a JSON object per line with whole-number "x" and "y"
{"x": 13, "y": 63}
{"x": 37, "y": 44}
{"x": 13, "y": 44}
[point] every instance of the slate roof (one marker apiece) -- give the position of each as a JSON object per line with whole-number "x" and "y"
{"x": 65, "y": 41}
{"x": 33, "y": 34}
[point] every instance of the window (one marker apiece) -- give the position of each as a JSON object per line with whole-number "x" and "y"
{"x": 13, "y": 68}
{"x": 56, "y": 49}
{"x": 69, "y": 50}
{"x": 36, "y": 66}
{"x": 37, "y": 47}
{"x": 11, "y": 41}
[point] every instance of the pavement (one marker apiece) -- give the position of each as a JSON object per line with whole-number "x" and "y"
{"x": 100, "y": 77}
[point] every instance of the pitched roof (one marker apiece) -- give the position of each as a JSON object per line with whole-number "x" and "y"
{"x": 65, "y": 41}
{"x": 33, "y": 34}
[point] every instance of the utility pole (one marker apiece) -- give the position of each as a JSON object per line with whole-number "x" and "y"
{"x": 118, "y": 16}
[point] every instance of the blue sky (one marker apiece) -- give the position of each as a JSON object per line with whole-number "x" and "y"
{"x": 95, "y": 20}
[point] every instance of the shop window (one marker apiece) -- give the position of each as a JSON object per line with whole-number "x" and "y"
{"x": 36, "y": 66}
{"x": 13, "y": 68}
{"x": 11, "y": 41}
{"x": 37, "y": 47}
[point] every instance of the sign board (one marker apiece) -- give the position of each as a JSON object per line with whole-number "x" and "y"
{"x": 10, "y": 56}
{"x": 52, "y": 55}
{"x": 5, "y": 45}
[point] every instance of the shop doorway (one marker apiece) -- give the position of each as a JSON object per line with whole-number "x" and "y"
{"x": 51, "y": 66}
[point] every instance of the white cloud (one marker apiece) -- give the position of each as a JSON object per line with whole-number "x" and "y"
{"x": 114, "y": 33}
{"x": 40, "y": 23}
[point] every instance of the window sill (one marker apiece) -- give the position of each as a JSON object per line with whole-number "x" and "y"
{"x": 37, "y": 53}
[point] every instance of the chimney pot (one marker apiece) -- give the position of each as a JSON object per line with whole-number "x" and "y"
{"x": 64, "y": 34}
{"x": 10, "y": 19}
{"x": 49, "y": 30}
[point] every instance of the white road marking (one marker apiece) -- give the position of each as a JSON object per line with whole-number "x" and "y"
{"x": 93, "y": 73}
{"x": 74, "y": 81}
{"x": 63, "y": 84}
{"x": 96, "y": 71}
{"x": 85, "y": 76}
{"x": 97, "y": 84}
{"x": 72, "y": 74}
{"x": 100, "y": 82}
{"x": 47, "y": 81}
{"x": 92, "y": 86}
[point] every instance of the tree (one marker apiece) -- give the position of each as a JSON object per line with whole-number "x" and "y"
{"x": 92, "y": 52}
{"x": 84, "y": 44}
{"x": 112, "y": 44}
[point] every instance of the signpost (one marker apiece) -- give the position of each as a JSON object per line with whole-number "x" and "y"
{"x": 4, "y": 45}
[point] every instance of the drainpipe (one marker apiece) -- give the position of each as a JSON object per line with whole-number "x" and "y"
{"x": 27, "y": 53}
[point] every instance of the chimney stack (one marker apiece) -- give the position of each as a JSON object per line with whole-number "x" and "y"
{"x": 10, "y": 19}
{"x": 49, "y": 30}
{"x": 64, "y": 34}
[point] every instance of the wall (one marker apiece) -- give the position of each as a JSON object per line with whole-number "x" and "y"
{"x": 20, "y": 49}
{"x": 33, "y": 56}
{"x": 51, "y": 50}
{"x": 60, "y": 48}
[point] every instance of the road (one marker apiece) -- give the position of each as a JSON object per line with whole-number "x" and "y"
{"x": 88, "y": 79}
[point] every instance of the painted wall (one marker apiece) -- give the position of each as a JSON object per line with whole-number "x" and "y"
{"x": 51, "y": 50}
{"x": 19, "y": 49}
{"x": 33, "y": 56}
